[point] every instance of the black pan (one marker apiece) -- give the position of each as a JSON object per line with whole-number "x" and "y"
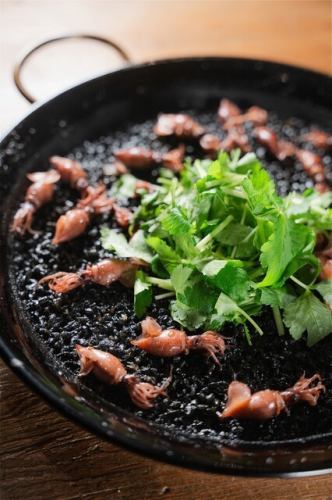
{"x": 136, "y": 93}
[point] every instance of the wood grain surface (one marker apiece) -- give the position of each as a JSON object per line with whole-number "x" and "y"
{"x": 43, "y": 455}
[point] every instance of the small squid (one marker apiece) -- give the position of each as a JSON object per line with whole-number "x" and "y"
{"x": 326, "y": 272}
{"x": 104, "y": 273}
{"x": 110, "y": 369}
{"x": 227, "y": 109}
{"x": 255, "y": 115}
{"x": 39, "y": 193}
{"x": 74, "y": 222}
{"x": 172, "y": 342}
{"x": 236, "y": 138}
{"x": 178, "y": 125}
{"x": 266, "y": 404}
{"x": 325, "y": 257}
{"x": 173, "y": 159}
{"x": 123, "y": 215}
{"x": 70, "y": 171}
{"x": 318, "y": 138}
{"x": 279, "y": 148}
{"x": 210, "y": 144}
{"x": 139, "y": 157}
{"x": 312, "y": 164}
{"x": 322, "y": 187}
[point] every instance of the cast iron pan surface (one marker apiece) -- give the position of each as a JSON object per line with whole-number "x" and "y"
{"x": 39, "y": 330}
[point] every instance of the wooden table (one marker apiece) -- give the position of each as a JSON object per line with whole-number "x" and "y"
{"x": 42, "y": 454}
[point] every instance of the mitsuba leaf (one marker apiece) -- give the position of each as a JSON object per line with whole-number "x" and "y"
{"x": 200, "y": 296}
{"x": 175, "y": 222}
{"x": 308, "y": 314}
{"x": 214, "y": 267}
{"x": 201, "y": 209}
{"x": 195, "y": 297}
{"x": 168, "y": 256}
{"x": 180, "y": 278}
{"x": 187, "y": 316}
{"x": 226, "y": 310}
{"x": 311, "y": 208}
{"x": 215, "y": 170}
{"x": 142, "y": 294}
{"x": 229, "y": 277}
{"x": 248, "y": 163}
{"x": 158, "y": 267}
{"x": 264, "y": 229}
{"x": 279, "y": 297}
{"x": 233, "y": 234}
{"x": 124, "y": 187}
{"x": 307, "y": 202}
{"x": 286, "y": 242}
{"x": 260, "y": 191}
{"x": 306, "y": 268}
{"x": 219, "y": 166}
{"x": 325, "y": 290}
{"x": 117, "y": 242}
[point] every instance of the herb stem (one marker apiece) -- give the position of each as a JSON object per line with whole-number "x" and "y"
{"x": 201, "y": 244}
{"x": 253, "y": 322}
{"x": 243, "y": 218}
{"x": 298, "y": 282}
{"x": 256, "y": 273}
{"x": 247, "y": 238}
{"x": 244, "y": 214}
{"x": 165, "y": 284}
{"x": 212, "y": 184}
{"x": 164, "y": 295}
{"x": 247, "y": 334}
{"x": 173, "y": 187}
{"x": 235, "y": 192}
{"x": 234, "y": 252}
{"x": 278, "y": 320}
{"x": 201, "y": 172}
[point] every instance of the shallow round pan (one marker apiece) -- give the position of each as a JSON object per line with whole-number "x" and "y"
{"x": 136, "y": 93}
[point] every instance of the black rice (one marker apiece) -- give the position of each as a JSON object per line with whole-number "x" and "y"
{"x": 104, "y": 318}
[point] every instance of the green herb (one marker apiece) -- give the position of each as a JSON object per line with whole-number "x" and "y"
{"x": 124, "y": 187}
{"x": 308, "y": 313}
{"x": 287, "y": 241}
{"x": 223, "y": 245}
{"x": 166, "y": 254}
{"x": 228, "y": 310}
{"x": 142, "y": 294}
{"x": 325, "y": 290}
{"x": 117, "y": 242}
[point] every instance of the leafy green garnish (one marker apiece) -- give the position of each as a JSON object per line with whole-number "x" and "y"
{"x": 287, "y": 240}
{"x": 142, "y": 294}
{"x": 124, "y": 187}
{"x": 276, "y": 297}
{"x": 228, "y": 276}
{"x": 228, "y": 310}
{"x": 117, "y": 242}
{"x": 325, "y": 290}
{"x": 308, "y": 313}
{"x": 224, "y": 245}
{"x": 167, "y": 255}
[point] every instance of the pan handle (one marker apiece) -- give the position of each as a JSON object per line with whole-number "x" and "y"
{"x": 17, "y": 75}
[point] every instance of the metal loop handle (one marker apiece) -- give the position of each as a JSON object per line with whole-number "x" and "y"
{"x": 22, "y": 61}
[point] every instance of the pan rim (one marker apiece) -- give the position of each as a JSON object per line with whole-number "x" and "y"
{"x": 33, "y": 379}
{"x": 161, "y": 62}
